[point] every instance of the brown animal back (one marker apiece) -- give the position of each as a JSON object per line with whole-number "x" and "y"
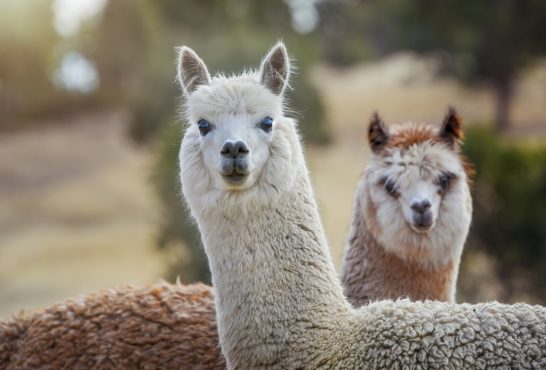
{"x": 161, "y": 326}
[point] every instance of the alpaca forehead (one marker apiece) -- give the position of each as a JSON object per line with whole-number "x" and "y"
{"x": 234, "y": 96}
{"x": 421, "y": 161}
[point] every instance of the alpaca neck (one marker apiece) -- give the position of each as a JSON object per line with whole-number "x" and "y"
{"x": 273, "y": 277}
{"x": 371, "y": 273}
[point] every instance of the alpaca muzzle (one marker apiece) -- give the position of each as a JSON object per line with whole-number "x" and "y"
{"x": 422, "y": 221}
{"x": 235, "y": 161}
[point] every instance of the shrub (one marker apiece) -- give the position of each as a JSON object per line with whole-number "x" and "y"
{"x": 509, "y": 222}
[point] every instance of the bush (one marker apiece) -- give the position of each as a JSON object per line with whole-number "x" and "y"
{"x": 509, "y": 221}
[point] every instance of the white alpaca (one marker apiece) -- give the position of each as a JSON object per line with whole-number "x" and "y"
{"x": 411, "y": 215}
{"x": 279, "y": 304}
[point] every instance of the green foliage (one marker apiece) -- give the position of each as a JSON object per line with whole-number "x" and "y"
{"x": 307, "y": 107}
{"x": 509, "y": 220}
{"x": 25, "y": 64}
{"x": 345, "y": 31}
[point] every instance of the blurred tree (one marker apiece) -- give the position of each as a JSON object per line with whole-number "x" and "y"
{"x": 26, "y": 42}
{"x": 478, "y": 41}
{"x": 509, "y": 221}
{"x": 344, "y": 32}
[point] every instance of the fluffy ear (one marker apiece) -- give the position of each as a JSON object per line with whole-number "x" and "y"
{"x": 275, "y": 69}
{"x": 451, "y": 131}
{"x": 378, "y": 133}
{"x": 192, "y": 71}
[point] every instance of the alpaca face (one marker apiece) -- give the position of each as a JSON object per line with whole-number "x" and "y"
{"x": 237, "y": 140}
{"x": 417, "y": 198}
{"x": 234, "y": 123}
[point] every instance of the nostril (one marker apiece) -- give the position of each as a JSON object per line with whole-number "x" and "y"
{"x": 227, "y": 149}
{"x": 240, "y": 149}
{"x": 236, "y": 149}
{"x": 421, "y": 207}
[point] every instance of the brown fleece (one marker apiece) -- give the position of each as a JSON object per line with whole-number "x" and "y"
{"x": 370, "y": 273}
{"x": 160, "y": 326}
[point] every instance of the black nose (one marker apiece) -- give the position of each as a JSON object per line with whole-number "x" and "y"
{"x": 421, "y": 207}
{"x": 234, "y": 149}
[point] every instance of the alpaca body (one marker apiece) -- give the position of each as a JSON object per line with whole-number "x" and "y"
{"x": 161, "y": 326}
{"x": 388, "y": 255}
{"x": 279, "y": 304}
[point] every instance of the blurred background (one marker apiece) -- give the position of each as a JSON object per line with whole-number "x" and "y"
{"x": 89, "y": 129}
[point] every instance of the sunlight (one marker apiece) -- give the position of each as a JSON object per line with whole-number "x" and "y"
{"x": 76, "y": 73}
{"x": 69, "y": 14}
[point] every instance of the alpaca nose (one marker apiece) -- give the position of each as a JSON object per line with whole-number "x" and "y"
{"x": 421, "y": 207}
{"x": 234, "y": 149}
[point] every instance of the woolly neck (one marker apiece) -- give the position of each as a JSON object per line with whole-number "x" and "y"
{"x": 273, "y": 277}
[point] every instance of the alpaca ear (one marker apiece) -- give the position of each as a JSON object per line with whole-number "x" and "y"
{"x": 275, "y": 69}
{"x": 451, "y": 131}
{"x": 192, "y": 71}
{"x": 378, "y": 134}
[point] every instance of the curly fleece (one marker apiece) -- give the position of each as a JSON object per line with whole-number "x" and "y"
{"x": 433, "y": 335}
{"x": 160, "y": 326}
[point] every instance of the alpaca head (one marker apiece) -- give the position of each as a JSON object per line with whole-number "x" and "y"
{"x": 237, "y": 139}
{"x": 417, "y": 200}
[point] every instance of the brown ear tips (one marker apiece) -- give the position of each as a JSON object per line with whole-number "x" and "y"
{"x": 378, "y": 134}
{"x": 451, "y": 131}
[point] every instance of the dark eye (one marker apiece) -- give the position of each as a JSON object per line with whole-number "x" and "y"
{"x": 444, "y": 179}
{"x": 390, "y": 187}
{"x": 267, "y": 124}
{"x": 204, "y": 126}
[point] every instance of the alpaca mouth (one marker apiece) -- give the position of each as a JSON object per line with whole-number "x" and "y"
{"x": 421, "y": 229}
{"x": 422, "y": 223}
{"x": 235, "y": 172}
{"x": 235, "y": 178}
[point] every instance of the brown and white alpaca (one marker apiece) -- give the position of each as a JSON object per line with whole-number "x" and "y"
{"x": 411, "y": 214}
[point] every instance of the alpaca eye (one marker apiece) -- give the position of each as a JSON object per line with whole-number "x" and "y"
{"x": 204, "y": 126}
{"x": 390, "y": 187}
{"x": 444, "y": 180}
{"x": 267, "y": 124}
